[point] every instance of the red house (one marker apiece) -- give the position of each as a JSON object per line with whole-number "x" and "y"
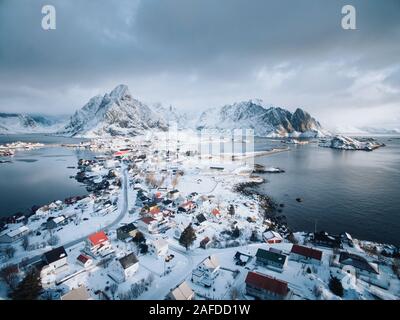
{"x": 265, "y": 287}
{"x": 305, "y": 254}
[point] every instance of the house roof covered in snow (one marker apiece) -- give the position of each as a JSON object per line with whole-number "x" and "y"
{"x": 155, "y": 210}
{"x": 80, "y": 293}
{"x": 55, "y": 254}
{"x": 267, "y": 283}
{"x": 242, "y": 256}
{"x": 271, "y": 256}
{"x": 182, "y": 292}
{"x": 307, "y": 252}
{"x": 201, "y": 218}
{"x": 272, "y": 235}
{"x": 211, "y": 262}
{"x": 160, "y": 243}
{"x": 357, "y": 262}
{"x": 83, "y": 258}
{"x": 58, "y": 219}
{"x": 97, "y": 238}
{"x": 17, "y": 231}
{"x": 127, "y": 228}
{"x": 187, "y": 204}
{"x": 324, "y": 237}
{"x": 128, "y": 261}
{"x": 148, "y": 220}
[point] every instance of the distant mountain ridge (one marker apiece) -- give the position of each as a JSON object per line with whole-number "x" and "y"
{"x": 119, "y": 114}
{"x": 19, "y": 123}
{"x": 266, "y": 121}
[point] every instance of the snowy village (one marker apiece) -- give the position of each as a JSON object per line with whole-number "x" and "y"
{"x": 164, "y": 221}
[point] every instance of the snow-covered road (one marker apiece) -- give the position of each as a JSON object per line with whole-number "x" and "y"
{"x": 122, "y": 214}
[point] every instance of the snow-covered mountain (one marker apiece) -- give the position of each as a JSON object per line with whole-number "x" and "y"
{"x": 350, "y": 130}
{"x": 118, "y": 114}
{"x": 115, "y": 114}
{"x": 20, "y": 123}
{"x": 172, "y": 115}
{"x": 266, "y": 121}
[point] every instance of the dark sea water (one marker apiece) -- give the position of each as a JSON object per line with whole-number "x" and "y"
{"x": 353, "y": 191}
{"x": 37, "y": 177}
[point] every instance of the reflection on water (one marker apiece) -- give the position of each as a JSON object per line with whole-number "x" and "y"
{"x": 353, "y": 191}
{"x": 26, "y": 160}
{"x": 37, "y": 177}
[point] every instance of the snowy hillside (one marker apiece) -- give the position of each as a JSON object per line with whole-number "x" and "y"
{"x": 266, "y": 121}
{"x": 114, "y": 114}
{"x": 118, "y": 114}
{"x": 171, "y": 116}
{"x": 19, "y": 123}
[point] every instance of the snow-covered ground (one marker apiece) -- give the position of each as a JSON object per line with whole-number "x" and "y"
{"x": 231, "y": 221}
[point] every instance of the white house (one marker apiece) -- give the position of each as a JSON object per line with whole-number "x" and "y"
{"x": 206, "y": 271}
{"x": 178, "y": 231}
{"x": 84, "y": 260}
{"x": 147, "y": 224}
{"x": 98, "y": 244}
{"x": 14, "y": 235}
{"x": 56, "y": 259}
{"x": 187, "y": 206}
{"x": 159, "y": 248}
{"x": 56, "y": 222}
{"x": 48, "y": 277}
{"x": 122, "y": 269}
{"x": 43, "y": 211}
{"x": 155, "y": 213}
{"x": 173, "y": 194}
{"x": 272, "y": 237}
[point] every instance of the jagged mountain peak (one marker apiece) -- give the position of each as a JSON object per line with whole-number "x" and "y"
{"x": 115, "y": 113}
{"x": 120, "y": 91}
{"x": 265, "y": 120}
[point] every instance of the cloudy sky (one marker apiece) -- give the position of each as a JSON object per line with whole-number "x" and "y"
{"x": 197, "y": 54}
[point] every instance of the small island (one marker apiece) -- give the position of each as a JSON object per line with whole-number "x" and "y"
{"x": 347, "y": 143}
{"x": 9, "y": 149}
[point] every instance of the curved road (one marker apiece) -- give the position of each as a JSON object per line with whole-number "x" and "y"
{"x": 72, "y": 243}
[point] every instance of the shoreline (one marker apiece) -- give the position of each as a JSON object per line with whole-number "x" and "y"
{"x": 267, "y": 204}
{"x": 248, "y": 189}
{"x": 257, "y": 154}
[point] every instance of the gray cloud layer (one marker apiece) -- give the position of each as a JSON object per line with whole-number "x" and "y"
{"x": 197, "y": 54}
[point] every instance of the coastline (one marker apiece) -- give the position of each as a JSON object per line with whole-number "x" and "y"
{"x": 128, "y": 167}
{"x": 256, "y": 154}
{"x": 248, "y": 189}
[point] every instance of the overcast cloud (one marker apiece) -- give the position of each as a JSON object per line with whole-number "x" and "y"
{"x": 197, "y": 54}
